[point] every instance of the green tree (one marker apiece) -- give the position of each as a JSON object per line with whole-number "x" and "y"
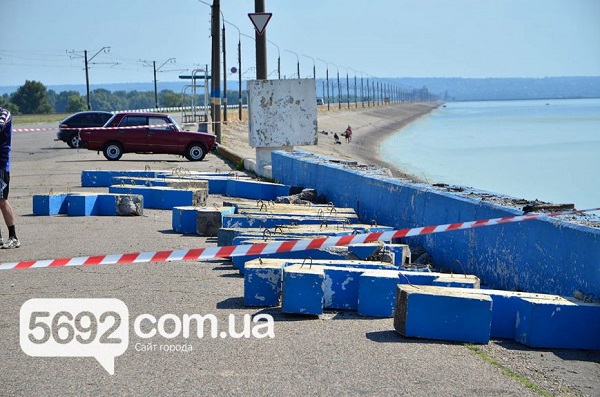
{"x": 75, "y": 103}
{"x": 31, "y": 98}
{"x": 61, "y": 101}
{"x": 169, "y": 99}
{"x": 6, "y": 104}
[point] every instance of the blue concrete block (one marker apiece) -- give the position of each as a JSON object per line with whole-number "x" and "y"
{"x": 504, "y": 308}
{"x": 559, "y": 324}
{"x": 158, "y": 197}
{"x": 82, "y": 204}
{"x": 401, "y": 253}
{"x": 49, "y": 204}
{"x": 217, "y": 185}
{"x": 377, "y": 293}
{"x": 302, "y": 290}
{"x": 315, "y": 254}
{"x": 456, "y": 280}
{"x": 363, "y": 251}
{"x": 143, "y": 191}
{"x": 439, "y": 313}
{"x": 125, "y": 180}
{"x": 341, "y": 288}
{"x": 271, "y": 220}
{"x": 103, "y": 178}
{"x": 262, "y": 283}
{"x": 184, "y": 219}
{"x": 165, "y": 198}
{"x": 255, "y": 190}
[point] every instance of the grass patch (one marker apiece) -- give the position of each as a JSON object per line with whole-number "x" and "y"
{"x": 507, "y": 371}
{"x": 39, "y": 118}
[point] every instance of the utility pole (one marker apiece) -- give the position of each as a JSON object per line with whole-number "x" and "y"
{"x": 215, "y": 82}
{"x": 224, "y": 77}
{"x": 156, "y": 69}
{"x": 87, "y": 81}
{"x": 87, "y": 62}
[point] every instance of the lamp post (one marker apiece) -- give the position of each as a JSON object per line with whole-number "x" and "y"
{"x": 278, "y": 60}
{"x": 327, "y": 78}
{"x": 338, "y": 84}
{"x": 314, "y": 68}
{"x": 297, "y": 62}
{"x": 355, "y": 88}
{"x": 347, "y": 87}
{"x": 239, "y": 70}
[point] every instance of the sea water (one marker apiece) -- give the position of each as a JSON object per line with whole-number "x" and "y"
{"x": 536, "y": 149}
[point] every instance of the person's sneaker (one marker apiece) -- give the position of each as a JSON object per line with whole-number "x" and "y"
{"x": 12, "y": 242}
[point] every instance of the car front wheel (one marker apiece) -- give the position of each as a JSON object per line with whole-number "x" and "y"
{"x": 195, "y": 152}
{"x": 73, "y": 141}
{"x": 113, "y": 151}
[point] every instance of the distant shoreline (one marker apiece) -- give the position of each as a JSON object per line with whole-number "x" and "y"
{"x": 371, "y": 126}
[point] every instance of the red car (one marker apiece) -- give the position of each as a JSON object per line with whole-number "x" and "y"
{"x": 131, "y": 132}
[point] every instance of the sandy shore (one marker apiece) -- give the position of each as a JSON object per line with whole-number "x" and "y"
{"x": 370, "y": 127}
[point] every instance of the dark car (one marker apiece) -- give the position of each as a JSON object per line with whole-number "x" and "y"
{"x": 69, "y": 127}
{"x": 133, "y": 132}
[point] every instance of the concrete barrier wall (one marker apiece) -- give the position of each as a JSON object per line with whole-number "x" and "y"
{"x": 547, "y": 256}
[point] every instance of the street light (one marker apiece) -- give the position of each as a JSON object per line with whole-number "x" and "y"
{"x": 297, "y": 60}
{"x": 239, "y": 70}
{"x": 355, "y": 97}
{"x": 327, "y": 78}
{"x": 339, "y": 90}
{"x": 347, "y": 87}
{"x": 278, "y": 60}
{"x": 314, "y": 68}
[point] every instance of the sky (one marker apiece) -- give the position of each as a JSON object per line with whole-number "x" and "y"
{"x": 44, "y": 40}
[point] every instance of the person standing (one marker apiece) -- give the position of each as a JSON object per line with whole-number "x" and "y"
{"x": 5, "y": 207}
{"x": 348, "y": 134}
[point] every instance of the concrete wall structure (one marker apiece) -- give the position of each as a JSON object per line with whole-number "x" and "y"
{"x": 547, "y": 256}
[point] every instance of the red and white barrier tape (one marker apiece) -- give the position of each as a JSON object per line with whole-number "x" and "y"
{"x": 116, "y": 128}
{"x": 92, "y": 128}
{"x": 201, "y": 254}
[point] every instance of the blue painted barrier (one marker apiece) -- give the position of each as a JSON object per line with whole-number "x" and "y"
{"x": 434, "y": 313}
{"x": 184, "y": 219}
{"x": 262, "y": 283}
{"x": 256, "y": 190}
{"x": 85, "y": 204}
{"x": 302, "y": 290}
{"x": 509, "y": 256}
{"x": 271, "y": 220}
{"x": 103, "y": 178}
{"x": 559, "y": 324}
{"x": 159, "y": 197}
{"x": 49, "y": 204}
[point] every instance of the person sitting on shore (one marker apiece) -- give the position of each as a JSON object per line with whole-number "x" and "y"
{"x": 336, "y": 139}
{"x": 348, "y": 134}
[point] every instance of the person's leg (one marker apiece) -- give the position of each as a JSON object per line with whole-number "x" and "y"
{"x": 9, "y": 219}
{"x": 7, "y": 212}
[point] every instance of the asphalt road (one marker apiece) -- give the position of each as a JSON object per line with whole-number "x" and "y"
{"x": 336, "y": 354}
